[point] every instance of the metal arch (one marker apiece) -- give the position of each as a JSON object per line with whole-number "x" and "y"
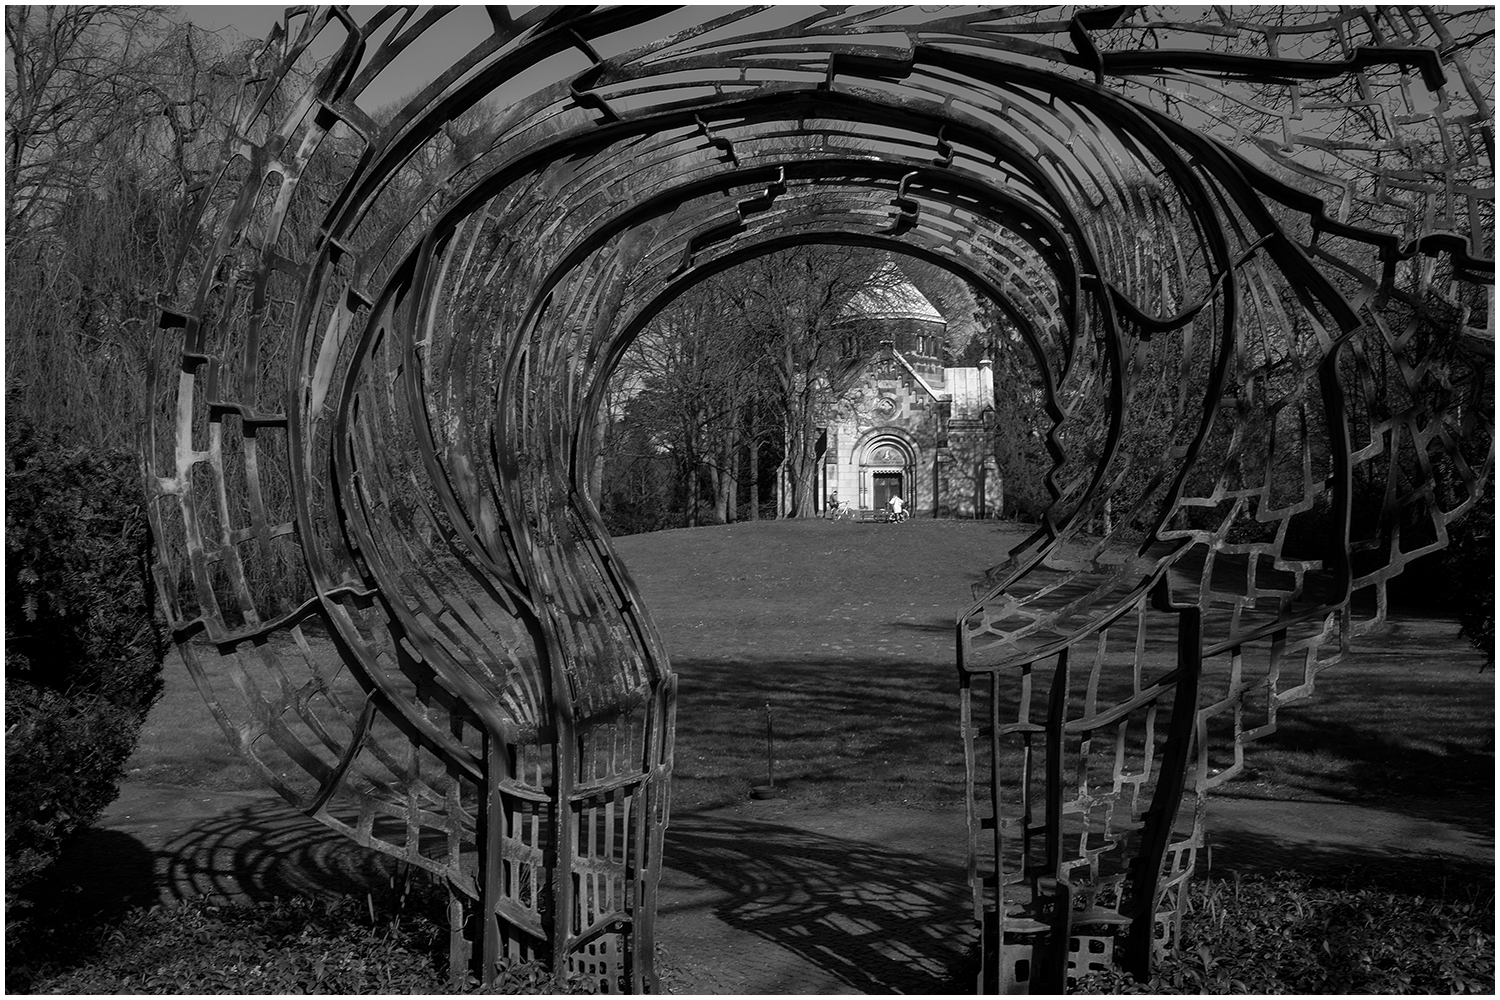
{"x": 395, "y": 409}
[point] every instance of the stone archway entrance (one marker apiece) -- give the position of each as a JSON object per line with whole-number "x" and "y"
{"x": 887, "y": 468}
{"x": 389, "y": 343}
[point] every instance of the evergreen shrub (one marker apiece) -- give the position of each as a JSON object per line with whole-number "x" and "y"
{"x": 83, "y": 648}
{"x": 1285, "y": 933}
{"x": 344, "y": 946}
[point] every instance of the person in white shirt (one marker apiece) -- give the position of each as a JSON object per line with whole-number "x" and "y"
{"x": 897, "y": 505}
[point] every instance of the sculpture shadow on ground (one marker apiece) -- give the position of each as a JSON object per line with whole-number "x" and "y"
{"x": 870, "y": 726}
{"x": 882, "y": 921}
{"x": 266, "y": 851}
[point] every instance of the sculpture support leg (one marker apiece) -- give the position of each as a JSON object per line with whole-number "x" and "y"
{"x": 1167, "y": 798}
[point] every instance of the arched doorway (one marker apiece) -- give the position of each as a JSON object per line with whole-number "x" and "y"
{"x": 887, "y": 468}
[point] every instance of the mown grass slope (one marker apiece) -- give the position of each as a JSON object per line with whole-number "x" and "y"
{"x": 846, "y": 631}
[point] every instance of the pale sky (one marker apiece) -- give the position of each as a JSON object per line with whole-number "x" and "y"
{"x": 421, "y": 63}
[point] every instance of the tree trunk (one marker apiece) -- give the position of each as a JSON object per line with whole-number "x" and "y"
{"x": 726, "y": 485}
{"x": 714, "y": 490}
{"x": 807, "y": 466}
{"x": 693, "y": 495}
{"x": 784, "y": 497}
{"x": 783, "y": 474}
{"x": 754, "y": 476}
{"x": 596, "y": 471}
{"x": 690, "y": 467}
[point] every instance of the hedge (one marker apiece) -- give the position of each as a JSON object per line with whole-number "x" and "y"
{"x": 83, "y": 647}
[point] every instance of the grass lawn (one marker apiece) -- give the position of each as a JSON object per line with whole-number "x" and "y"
{"x": 845, "y": 630}
{"x": 181, "y": 743}
{"x": 1410, "y": 714}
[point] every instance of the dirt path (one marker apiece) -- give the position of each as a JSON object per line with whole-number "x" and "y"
{"x": 760, "y": 897}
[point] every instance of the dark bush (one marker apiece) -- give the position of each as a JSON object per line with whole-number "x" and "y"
{"x": 1286, "y": 934}
{"x": 298, "y": 946}
{"x": 277, "y": 947}
{"x": 63, "y": 758}
{"x": 82, "y": 646}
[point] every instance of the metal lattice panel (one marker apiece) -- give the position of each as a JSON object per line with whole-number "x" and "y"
{"x": 1249, "y": 256}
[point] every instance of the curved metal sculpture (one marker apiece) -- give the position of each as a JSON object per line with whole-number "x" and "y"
{"x": 1249, "y": 255}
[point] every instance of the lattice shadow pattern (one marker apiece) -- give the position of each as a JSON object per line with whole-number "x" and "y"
{"x": 1250, "y": 257}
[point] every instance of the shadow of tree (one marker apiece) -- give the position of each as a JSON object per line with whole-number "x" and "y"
{"x": 1440, "y": 876}
{"x": 103, "y": 872}
{"x": 881, "y": 921}
{"x": 939, "y": 626}
{"x": 59, "y": 919}
{"x": 869, "y": 721}
{"x": 1358, "y": 757}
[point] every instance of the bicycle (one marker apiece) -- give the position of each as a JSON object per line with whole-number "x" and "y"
{"x": 898, "y": 517}
{"x": 840, "y": 511}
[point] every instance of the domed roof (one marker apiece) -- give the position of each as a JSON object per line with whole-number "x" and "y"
{"x": 889, "y": 295}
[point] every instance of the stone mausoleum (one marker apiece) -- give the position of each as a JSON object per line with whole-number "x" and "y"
{"x": 907, "y": 424}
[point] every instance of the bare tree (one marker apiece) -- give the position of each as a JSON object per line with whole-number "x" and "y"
{"x": 111, "y": 114}
{"x": 691, "y": 372}
{"x": 793, "y": 302}
{"x": 82, "y": 83}
{"x": 743, "y": 364}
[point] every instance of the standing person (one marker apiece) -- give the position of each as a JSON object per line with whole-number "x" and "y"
{"x": 897, "y": 506}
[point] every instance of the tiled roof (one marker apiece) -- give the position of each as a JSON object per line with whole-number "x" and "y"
{"x": 890, "y": 297}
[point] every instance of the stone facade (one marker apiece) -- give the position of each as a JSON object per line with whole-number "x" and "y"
{"x": 908, "y": 424}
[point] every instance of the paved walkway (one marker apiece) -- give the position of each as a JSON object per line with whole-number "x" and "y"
{"x": 762, "y": 897}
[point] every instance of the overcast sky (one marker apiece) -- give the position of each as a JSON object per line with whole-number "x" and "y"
{"x": 440, "y": 45}
{"x": 419, "y": 65}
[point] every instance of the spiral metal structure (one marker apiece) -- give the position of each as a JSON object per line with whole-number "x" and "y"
{"x": 1247, "y": 252}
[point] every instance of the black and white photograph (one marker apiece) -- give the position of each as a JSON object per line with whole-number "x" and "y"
{"x": 779, "y": 500}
